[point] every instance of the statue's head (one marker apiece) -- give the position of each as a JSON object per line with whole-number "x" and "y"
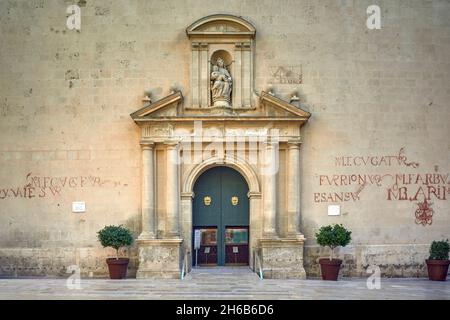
{"x": 220, "y": 62}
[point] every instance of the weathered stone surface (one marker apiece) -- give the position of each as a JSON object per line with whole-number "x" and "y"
{"x": 16, "y": 262}
{"x": 159, "y": 258}
{"x": 66, "y": 96}
{"x": 282, "y": 259}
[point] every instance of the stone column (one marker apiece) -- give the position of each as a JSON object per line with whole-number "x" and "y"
{"x": 172, "y": 190}
{"x": 148, "y": 192}
{"x": 270, "y": 190}
{"x": 293, "y": 185}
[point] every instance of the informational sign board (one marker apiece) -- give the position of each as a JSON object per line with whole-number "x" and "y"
{"x": 78, "y": 206}
{"x": 207, "y": 249}
{"x": 334, "y": 210}
{"x": 197, "y": 239}
{"x": 235, "y": 249}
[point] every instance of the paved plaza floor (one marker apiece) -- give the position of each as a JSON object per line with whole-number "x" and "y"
{"x": 221, "y": 283}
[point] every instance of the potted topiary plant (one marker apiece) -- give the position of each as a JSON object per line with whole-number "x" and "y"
{"x": 332, "y": 236}
{"x": 116, "y": 237}
{"x": 438, "y": 262}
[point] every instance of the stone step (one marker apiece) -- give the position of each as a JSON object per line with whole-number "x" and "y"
{"x": 216, "y": 274}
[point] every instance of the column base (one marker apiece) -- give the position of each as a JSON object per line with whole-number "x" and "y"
{"x": 282, "y": 258}
{"x": 146, "y": 236}
{"x": 159, "y": 258}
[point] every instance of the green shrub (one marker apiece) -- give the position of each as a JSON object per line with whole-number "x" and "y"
{"x": 115, "y": 237}
{"x": 333, "y": 236}
{"x": 439, "y": 250}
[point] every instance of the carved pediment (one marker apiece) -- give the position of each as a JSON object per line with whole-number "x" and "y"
{"x": 221, "y": 24}
{"x": 277, "y": 107}
{"x": 271, "y": 108}
{"x": 166, "y": 107}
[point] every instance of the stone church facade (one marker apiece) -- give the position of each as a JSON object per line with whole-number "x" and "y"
{"x": 249, "y": 126}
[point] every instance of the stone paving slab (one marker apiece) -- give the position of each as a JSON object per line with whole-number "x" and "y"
{"x": 222, "y": 284}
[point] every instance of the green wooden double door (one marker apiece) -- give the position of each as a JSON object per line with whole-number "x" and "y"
{"x": 221, "y": 218}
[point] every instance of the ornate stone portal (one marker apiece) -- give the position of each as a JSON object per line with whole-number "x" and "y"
{"x": 225, "y": 124}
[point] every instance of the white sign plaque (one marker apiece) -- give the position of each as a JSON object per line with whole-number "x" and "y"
{"x": 334, "y": 210}
{"x": 78, "y": 206}
{"x": 207, "y": 249}
{"x": 197, "y": 236}
{"x": 235, "y": 249}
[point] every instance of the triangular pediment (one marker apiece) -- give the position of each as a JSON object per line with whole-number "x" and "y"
{"x": 278, "y": 107}
{"x": 166, "y": 107}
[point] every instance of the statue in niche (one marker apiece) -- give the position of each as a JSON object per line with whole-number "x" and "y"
{"x": 221, "y": 85}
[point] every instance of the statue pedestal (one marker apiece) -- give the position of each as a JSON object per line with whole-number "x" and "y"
{"x": 221, "y": 104}
{"x": 159, "y": 258}
{"x": 282, "y": 258}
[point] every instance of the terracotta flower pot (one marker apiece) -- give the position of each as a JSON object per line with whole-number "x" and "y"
{"x": 330, "y": 268}
{"x": 437, "y": 269}
{"x": 117, "y": 267}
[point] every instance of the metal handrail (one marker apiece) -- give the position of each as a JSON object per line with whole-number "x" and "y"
{"x": 258, "y": 260}
{"x": 183, "y": 268}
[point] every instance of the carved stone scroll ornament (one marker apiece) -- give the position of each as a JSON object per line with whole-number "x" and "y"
{"x": 221, "y": 85}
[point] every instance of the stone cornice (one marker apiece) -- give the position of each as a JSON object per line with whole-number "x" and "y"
{"x": 222, "y": 118}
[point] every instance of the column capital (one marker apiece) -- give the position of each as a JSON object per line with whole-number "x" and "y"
{"x": 270, "y": 144}
{"x": 254, "y": 195}
{"x": 294, "y": 143}
{"x": 187, "y": 195}
{"x": 246, "y": 46}
{"x": 147, "y": 145}
{"x": 171, "y": 144}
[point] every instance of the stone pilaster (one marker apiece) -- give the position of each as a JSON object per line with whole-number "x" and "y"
{"x": 195, "y": 75}
{"x": 148, "y": 192}
{"x": 172, "y": 191}
{"x": 246, "y": 74}
{"x": 270, "y": 190}
{"x": 237, "y": 76}
{"x": 204, "y": 75}
{"x": 293, "y": 187}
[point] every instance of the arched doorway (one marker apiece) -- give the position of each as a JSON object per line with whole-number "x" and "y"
{"x": 221, "y": 218}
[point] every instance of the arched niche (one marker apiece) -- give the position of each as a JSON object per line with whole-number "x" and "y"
{"x": 225, "y": 55}
{"x": 221, "y": 87}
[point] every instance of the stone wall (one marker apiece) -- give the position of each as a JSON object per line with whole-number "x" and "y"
{"x": 377, "y": 142}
